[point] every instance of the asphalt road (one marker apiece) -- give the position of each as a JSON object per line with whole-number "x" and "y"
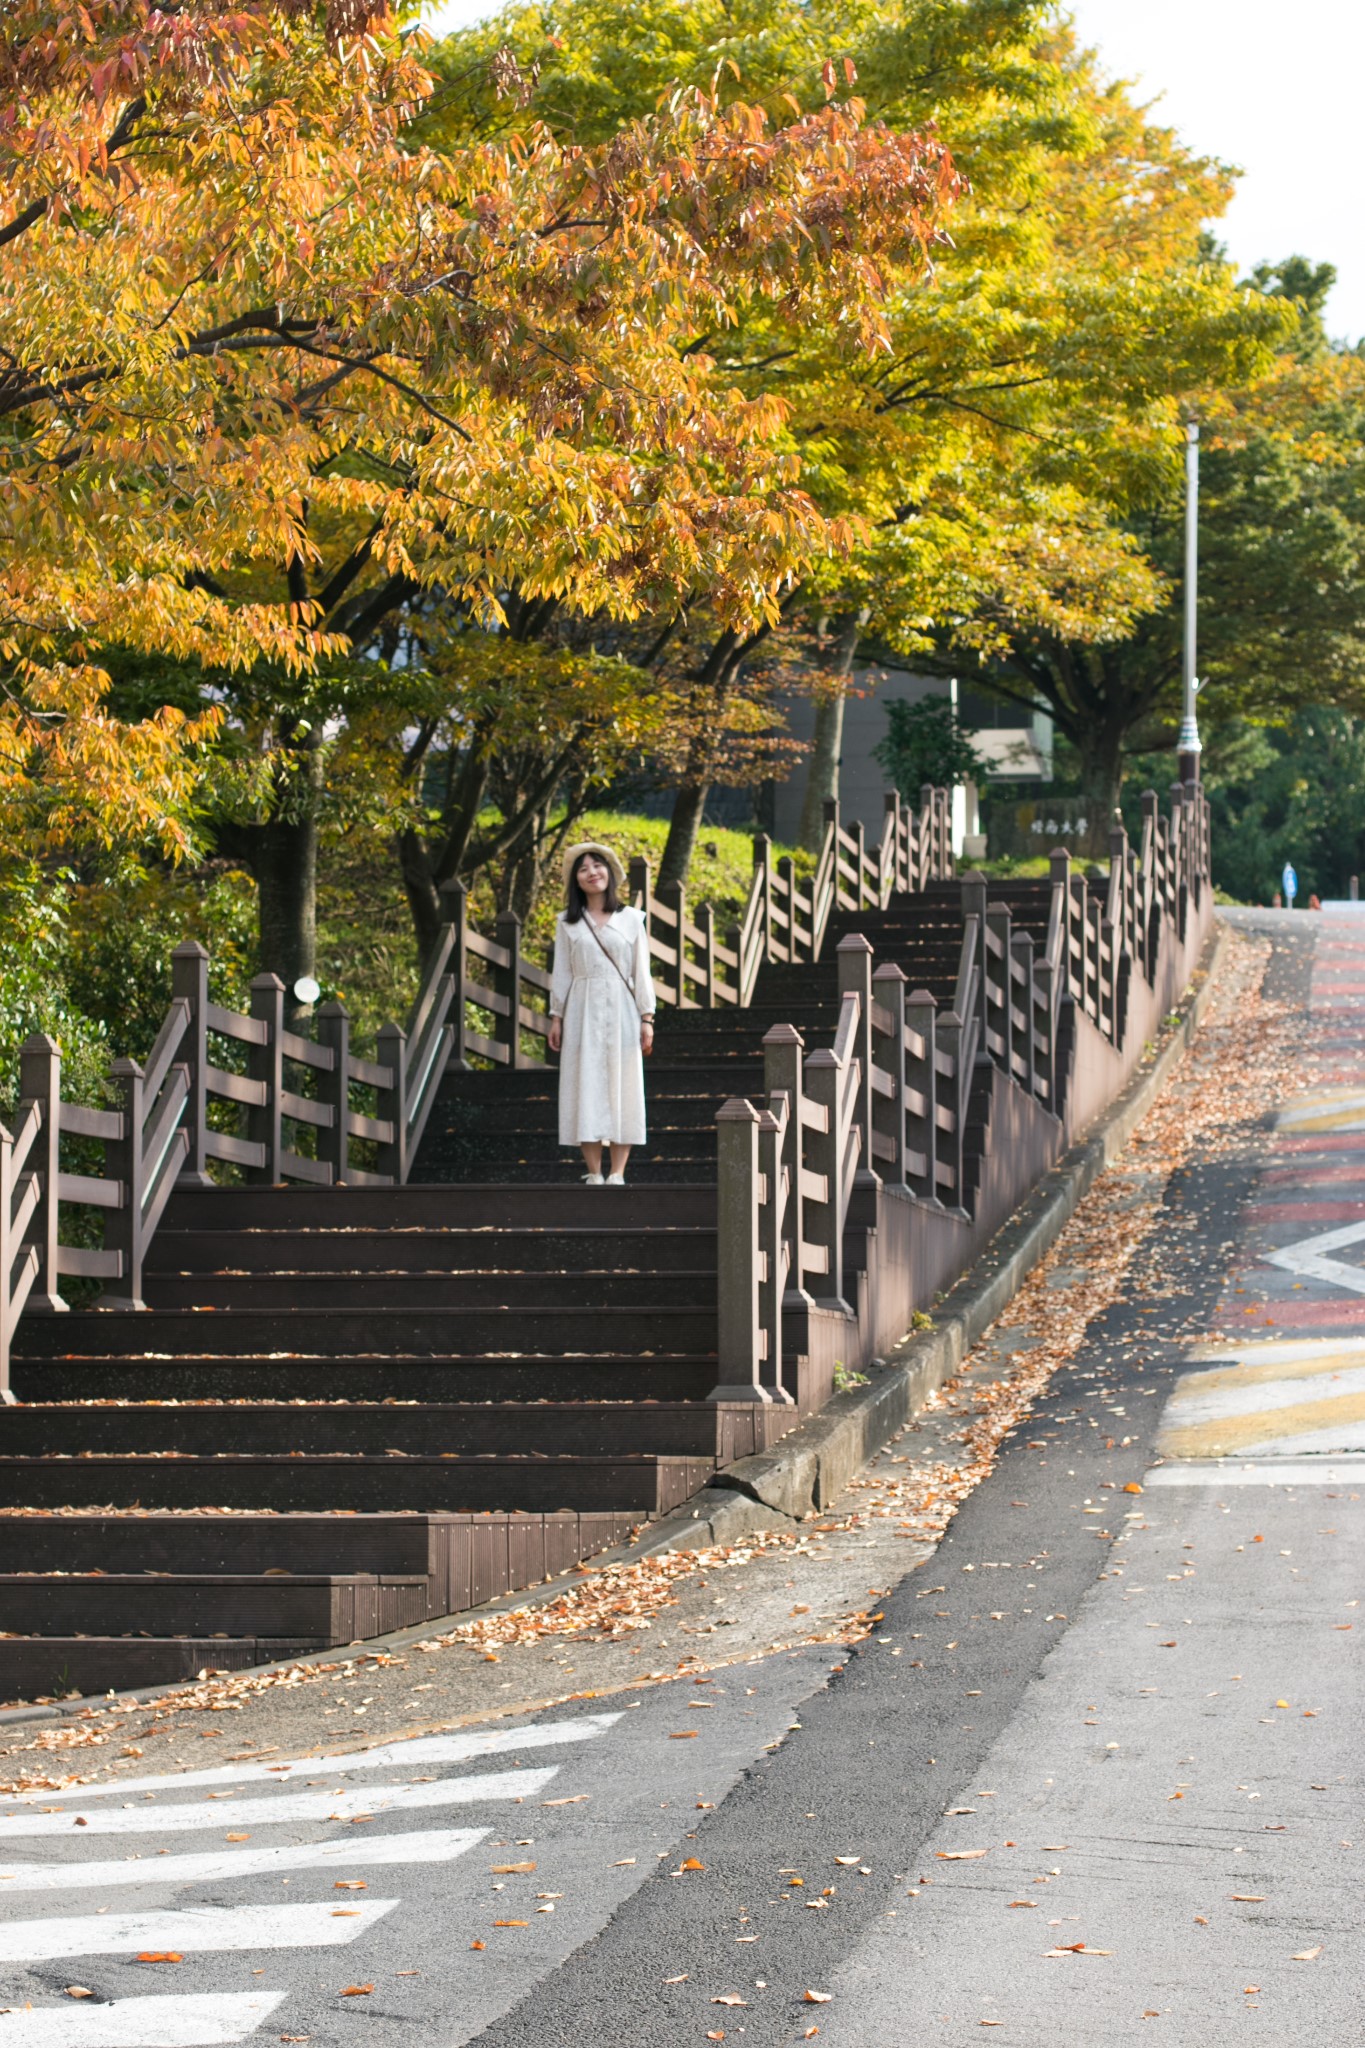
{"x": 1093, "y": 1777}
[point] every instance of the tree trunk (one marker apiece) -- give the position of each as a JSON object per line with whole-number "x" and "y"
{"x": 822, "y": 774}
{"x": 688, "y": 806}
{"x": 285, "y": 864}
{"x": 1101, "y": 752}
{"x": 420, "y": 888}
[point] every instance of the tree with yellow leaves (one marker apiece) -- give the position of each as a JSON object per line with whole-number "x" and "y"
{"x": 273, "y": 372}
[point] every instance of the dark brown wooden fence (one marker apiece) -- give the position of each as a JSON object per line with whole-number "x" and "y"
{"x": 889, "y": 1095}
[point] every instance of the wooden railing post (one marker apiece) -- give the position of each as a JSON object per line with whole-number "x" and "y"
{"x": 739, "y": 1349}
{"x": 783, "y": 1048}
{"x": 921, "y": 1095}
{"x": 1021, "y": 949}
{"x": 455, "y": 913}
{"x": 950, "y": 1035}
{"x": 824, "y": 1158}
{"x": 391, "y": 1051}
{"x": 507, "y": 982}
{"x": 973, "y": 889}
{"x": 888, "y": 1055}
{"x": 40, "y": 1081}
{"x": 855, "y": 978}
{"x": 190, "y": 982}
{"x": 706, "y": 925}
{"x": 334, "y": 1031}
{"x": 772, "y": 1293}
{"x": 893, "y": 836}
{"x": 673, "y": 897}
{"x": 999, "y": 924}
{"x": 860, "y": 895}
{"x": 763, "y": 866}
{"x": 123, "y": 1165}
{"x": 8, "y": 1315}
{"x": 265, "y": 1125}
{"x": 638, "y": 886}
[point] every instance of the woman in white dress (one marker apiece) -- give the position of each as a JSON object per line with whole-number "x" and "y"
{"x": 601, "y": 1014}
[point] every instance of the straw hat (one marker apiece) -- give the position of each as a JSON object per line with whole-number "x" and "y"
{"x": 604, "y": 854}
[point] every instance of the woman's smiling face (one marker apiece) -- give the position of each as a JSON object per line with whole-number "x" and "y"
{"x": 592, "y": 874}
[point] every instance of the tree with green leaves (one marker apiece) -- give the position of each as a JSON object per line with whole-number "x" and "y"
{"x": 1281, "y": 607}
{"x": 991, "y": 447}
{"x": 926, "y": 743}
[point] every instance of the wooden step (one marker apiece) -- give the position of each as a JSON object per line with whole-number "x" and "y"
{"x": 431, "y": 1205}
{"x": 52, "y": 1667}
{"x": 306, "y": 1292}
{"x": 473, "y": 1429}
{"x": 325, "y": 1608}
{"x": 464, "y": 1559}
{"x": 642, "y": 1486}
{"x": 429, "y": 1251}
{"x": 377, "y": 1332}
{"x": 668, "y": 1376}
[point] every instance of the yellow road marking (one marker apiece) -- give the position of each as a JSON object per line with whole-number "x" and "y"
{"x": 1192, "y": 1385}
{"x": 1240, "y": 1432}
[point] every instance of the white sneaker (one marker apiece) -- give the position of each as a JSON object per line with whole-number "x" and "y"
{"x": 616, "y": 1180}
{"x": 593, "y": 1180}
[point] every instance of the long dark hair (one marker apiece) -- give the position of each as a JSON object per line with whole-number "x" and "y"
{"x": 578, "y": 902}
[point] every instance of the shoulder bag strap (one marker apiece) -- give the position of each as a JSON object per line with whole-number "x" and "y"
{"x": 627, "y": 986}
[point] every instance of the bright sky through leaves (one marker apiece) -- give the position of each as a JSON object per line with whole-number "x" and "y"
{"x": 1275, "y": 93}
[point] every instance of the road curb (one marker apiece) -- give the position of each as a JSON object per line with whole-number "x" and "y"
{"x": 812, "y": 1465}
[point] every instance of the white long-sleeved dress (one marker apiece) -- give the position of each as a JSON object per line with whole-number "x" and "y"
{"x": 601, "y": 1071}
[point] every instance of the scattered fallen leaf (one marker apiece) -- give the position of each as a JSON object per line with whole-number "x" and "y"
{"x": 817, "y": 1997}
{"x": 478, "y": 1944}
{"x": 848, "y": 1859}
{"x": 356, "y": 1990}
{"x": 236, "y": 1838}
{"x": 676, "y": 1980}
{"x": 684, "y": 1735}
{"x": 1248, "y": 1898}
{"x": 1306, "y": 1955}
{"x": 78, "y": 1991}
{"x": 1132, "y": 1487}
{"x": 350, "y": 1884}
{"x": 160, "y": 1955}
{"x": 692, "y": 1863}
{"x": 511, "y": 1923}
{"x": 959, "y": 1855}
{"x": 729, "y": 1998}
{"x": 1024, "y": 1902}
{"x": 509, "y": 1869}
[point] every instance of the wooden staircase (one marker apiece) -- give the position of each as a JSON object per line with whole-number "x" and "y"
{"x": 350, "y": 1408}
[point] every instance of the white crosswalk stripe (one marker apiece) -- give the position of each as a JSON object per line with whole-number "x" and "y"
{"x": 190, "y": 1930}
{"x": 420, "y": 1751}
{"x": 177, "y": 2022}
{"x": 303, "y": 1791}
{"x": 285, "y": 1806}
{"x": 432, "y": 1845}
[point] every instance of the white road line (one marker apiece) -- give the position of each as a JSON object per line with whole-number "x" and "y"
{"x": 1288, "y": 1351}
{"x": 419, "y": 1749}
{"x": 197, "y": 1929}
{"x": 1308, "y": 1257}
{"x": 279, "y": 1807}
{"x": 211, "y": 2021}
{"x": 1191, "y": 1404}
{"x": 1344, "y": 1470}
{"x": 431, "y": 1845}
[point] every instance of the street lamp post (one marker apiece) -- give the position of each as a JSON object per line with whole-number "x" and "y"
{"x": 1188, "y": 743}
